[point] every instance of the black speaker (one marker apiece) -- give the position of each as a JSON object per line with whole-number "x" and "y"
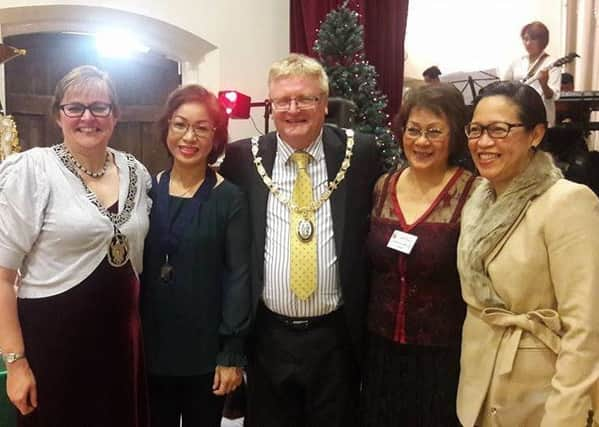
{"x": 341, "y": 112}
{"x": 569, "y": 149}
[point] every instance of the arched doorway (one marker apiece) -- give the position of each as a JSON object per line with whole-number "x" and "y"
{"x": 143, "y": 82}
{"x": 58, "y": 38}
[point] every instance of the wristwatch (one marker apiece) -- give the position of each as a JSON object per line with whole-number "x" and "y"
{"x": 9, "y": 358}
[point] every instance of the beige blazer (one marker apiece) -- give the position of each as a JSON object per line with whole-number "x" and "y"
{"x": 535, "y": 363}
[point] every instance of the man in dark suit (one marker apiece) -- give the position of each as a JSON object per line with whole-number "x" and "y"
{"x": 309, "y": 187}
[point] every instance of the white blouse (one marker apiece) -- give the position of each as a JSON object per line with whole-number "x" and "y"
{"x": 51, "y": 231}
{"x": 519, "y": 69}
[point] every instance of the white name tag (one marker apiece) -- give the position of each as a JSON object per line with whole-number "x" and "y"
{"x": 402, "y": 242}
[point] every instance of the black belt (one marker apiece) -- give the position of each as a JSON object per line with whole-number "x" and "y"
{"x": 298, "y": 323}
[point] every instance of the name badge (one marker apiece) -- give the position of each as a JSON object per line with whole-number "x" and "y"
{"x": 402, "y": 242}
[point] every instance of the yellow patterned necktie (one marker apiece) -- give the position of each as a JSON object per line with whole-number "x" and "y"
{"x": 303, "y": 262}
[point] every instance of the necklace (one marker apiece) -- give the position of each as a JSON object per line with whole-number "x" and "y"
{"x": 86, "y": 171}
{"x": 118, "y": 248}
{"x": 190, "y": 189}
{"x": 331, "y": 186}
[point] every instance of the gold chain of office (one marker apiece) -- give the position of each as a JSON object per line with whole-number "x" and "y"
{"x": 332, "y": 185}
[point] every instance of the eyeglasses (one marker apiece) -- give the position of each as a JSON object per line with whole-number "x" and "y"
{"x": 301, "y": 103}
{"x": 76, "y": 109}
{"x": 180, "y": 128}
{"x": 432, "y": 135}
{"x": 496, "y": 130}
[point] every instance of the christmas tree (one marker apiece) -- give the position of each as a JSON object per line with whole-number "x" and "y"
{"x": 340, "y": 47}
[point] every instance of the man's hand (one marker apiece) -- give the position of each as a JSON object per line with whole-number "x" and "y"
{"x": 226, "y": 379}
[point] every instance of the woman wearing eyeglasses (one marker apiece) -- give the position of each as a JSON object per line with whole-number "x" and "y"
{"x": 195, "y": 287}
{"x": 73, "y": 218}
{"x": 415, "y": 310}
{"x": 528, "y": 258}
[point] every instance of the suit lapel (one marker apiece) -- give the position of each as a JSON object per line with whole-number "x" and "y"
{"x": 334, "y": 151}
{"x": 267, "y": 150}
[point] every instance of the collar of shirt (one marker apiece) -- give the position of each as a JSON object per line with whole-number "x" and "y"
{"x": 284, "y": 150}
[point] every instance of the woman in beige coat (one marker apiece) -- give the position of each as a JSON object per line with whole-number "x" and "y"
{"x": 528, "y": 258}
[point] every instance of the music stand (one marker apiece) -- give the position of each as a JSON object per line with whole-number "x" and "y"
{"x": 473, "y": 80}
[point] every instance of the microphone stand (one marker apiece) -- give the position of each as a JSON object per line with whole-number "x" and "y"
{"x": 267, "y": 111}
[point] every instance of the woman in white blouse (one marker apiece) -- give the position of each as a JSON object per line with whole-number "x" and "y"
{"x": 73, "y": 218}
{"x": 534, "y": 67}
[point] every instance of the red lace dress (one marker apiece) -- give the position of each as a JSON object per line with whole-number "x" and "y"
{"x": 415, "y": 310}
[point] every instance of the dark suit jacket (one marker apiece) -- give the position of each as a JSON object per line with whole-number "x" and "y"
{"x": 350, "y": 207}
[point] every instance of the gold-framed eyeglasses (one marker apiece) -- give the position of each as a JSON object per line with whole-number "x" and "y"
{"x": 301, "y": 103}
{"x": 495, "y": 130}
{"x": 77, "y": 109}
{"x": 432, "y": 135}
{"x": 181, "y": 127}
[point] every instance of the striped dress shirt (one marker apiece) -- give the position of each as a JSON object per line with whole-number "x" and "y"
{"x": 277, "y": 294}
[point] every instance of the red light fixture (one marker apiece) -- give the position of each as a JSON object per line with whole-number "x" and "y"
{"x": 236, "y": 104}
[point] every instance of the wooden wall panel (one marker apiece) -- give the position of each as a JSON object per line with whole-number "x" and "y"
{"x": 142, "y": 83}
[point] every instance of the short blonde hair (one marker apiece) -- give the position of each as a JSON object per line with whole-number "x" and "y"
{"x": 299, "y": 65}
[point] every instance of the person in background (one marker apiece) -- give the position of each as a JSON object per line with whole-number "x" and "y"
{"x": 569, "y": 113}
{"x": 416, "y": 311}
{"x": 567, "y": 82}
{"x": 431, "y": 75}
{"x": 195, "y": 288}
{"x": 73, "y": 219}
{"x": 528, "y": 258}
{"x": 309, "y": 188}
{"x": 532, "y": 67}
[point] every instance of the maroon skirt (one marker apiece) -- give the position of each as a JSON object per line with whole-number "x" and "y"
{"x": 84, "y": 348}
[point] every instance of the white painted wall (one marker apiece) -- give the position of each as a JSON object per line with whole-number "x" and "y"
{"x": 470, "y": 35}
{"x": 241, "y": 38}
{"x": 246, "y": 37}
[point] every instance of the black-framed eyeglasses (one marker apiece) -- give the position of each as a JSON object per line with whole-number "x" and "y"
{"x": 433, "y": 134}
{"x": 77, "y": 109}
{"x": 181, "y": 127}
{"x": 301, "y": 103}
{"x": 496, "y": 130}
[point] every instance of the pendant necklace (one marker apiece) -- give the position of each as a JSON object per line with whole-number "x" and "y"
{"x": 118, "y": 247}
{"x": 166, "y": 271}
{"x": 172, "y": 229}
{"x": 305, "y": 228}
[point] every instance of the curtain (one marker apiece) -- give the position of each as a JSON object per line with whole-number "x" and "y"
{"x": 306, "y": 17}
{"x": 582, "y": 36}
{"x": 384, "y": 33}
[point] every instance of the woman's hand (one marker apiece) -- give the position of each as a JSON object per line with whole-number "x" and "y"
{"x": 543, "y": 77}
{"x": 226, "y": 379}
{"x": 21, "y": 387}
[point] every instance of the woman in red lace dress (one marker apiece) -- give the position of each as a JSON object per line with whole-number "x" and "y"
{"x": 415, "y": 310}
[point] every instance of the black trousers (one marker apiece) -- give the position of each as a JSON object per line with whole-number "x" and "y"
{"x": 189, "y": 397}
{"x": 302, "y": 376}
